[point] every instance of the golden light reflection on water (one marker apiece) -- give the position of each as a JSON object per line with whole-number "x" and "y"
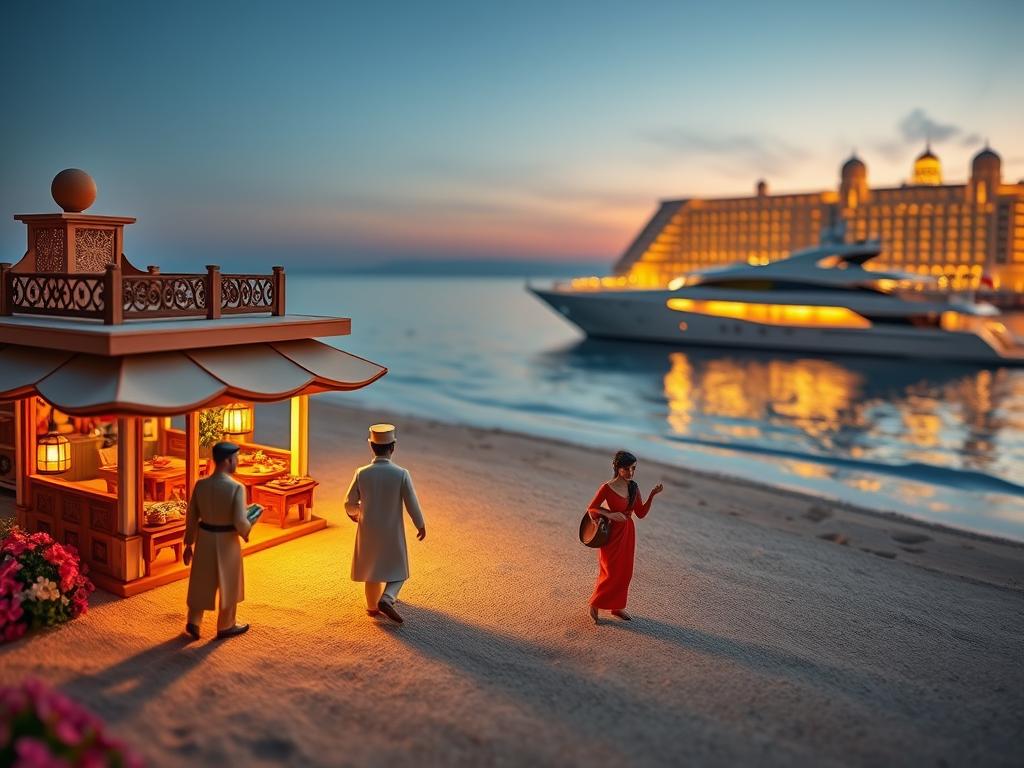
{"x": 957, "y": 418}
{"x": 869, "y": 484}
{"x": 922, "y": 423}
{"x": 807, "y": 469}
{"x": 817, "y": 396}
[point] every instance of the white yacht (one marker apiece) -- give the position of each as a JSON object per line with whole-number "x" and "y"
{"x": 820, "y": 299}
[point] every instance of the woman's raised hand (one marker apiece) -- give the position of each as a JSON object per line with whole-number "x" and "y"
{"x": 657, "y": 489}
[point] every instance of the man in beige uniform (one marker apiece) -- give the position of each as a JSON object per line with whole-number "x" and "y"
{"x": 374, "y": 501}
{"x": 216, "y": 518}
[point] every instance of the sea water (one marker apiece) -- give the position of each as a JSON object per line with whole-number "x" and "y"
{"x": 940, "y": 442}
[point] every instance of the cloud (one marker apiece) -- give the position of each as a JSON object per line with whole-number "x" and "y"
{"x": 918, "y": 126}
{"x": 760, "y": 153}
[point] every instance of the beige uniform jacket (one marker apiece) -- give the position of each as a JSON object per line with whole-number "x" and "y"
{"x": 375, "y": 498}
{"x": 217, "y": 561}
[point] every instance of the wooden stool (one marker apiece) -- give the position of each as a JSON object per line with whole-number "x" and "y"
{"x": 280, "y": 500}
{"x": 157, "y": 537}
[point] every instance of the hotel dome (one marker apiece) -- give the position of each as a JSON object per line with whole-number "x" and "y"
{"x": 853, "y": 166}
{"x": 927, "y": 169}
{"x": 986, "y": 161}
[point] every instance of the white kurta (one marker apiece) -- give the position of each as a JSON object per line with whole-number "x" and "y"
{"x": 375, "y": 498}
{"x": 217, "y": 562}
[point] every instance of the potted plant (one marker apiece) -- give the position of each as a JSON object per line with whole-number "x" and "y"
{"x": 42, "y": 583}
{"x": 211, "y": 429}
{"x": 41, "y": 727}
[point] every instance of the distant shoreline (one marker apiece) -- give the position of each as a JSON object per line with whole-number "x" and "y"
{"x": 467, "y": 268}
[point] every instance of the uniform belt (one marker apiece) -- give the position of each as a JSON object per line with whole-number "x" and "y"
{"x": 216, "y": 528}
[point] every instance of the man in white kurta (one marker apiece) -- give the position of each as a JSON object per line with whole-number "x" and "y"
{"x": 375, "y": 501}
{"x": 216, "y": 518}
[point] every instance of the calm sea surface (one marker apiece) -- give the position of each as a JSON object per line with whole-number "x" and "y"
{"x": 935, "y": 441}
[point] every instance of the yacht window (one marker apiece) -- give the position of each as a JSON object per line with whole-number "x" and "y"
{"x": 783, "y": 285}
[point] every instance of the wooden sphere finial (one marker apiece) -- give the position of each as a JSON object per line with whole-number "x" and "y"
{"x": 73, "y": 190}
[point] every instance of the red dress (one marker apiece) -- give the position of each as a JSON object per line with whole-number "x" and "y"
{"x": 616, "y": 557}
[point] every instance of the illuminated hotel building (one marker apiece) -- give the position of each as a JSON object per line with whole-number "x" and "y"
{"x": 958, "y": 233}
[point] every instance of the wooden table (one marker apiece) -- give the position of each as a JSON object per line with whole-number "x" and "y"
{"x": 282, "y": 499}
{"x": 157, "y": 537}
{"x": 247, "y": 477}
{"x": 158, "y": 483}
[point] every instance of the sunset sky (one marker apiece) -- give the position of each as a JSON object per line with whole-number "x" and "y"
{"x": 317, "y": 135}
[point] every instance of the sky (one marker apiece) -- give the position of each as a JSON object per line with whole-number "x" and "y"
{"x": 328, "y": 134}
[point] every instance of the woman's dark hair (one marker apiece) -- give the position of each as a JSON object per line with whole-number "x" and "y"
{"x": 382, "y": 449}
{"x": 621, "y": 460}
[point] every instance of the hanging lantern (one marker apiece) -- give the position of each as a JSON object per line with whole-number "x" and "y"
{"x": 237, "y": 419}
{"x": 53, "y": 451}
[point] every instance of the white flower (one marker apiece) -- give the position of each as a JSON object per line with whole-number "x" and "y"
{"x": 44, "y": 589}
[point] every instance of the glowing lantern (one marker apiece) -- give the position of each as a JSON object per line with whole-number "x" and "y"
{"x": 237, "y": 419}
{"x": 53, "y": 451}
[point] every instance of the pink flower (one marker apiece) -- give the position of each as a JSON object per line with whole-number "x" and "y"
{"x": 94, "y": 758}
{"x": 9, "y": 583}
{"x": 40, "y": 539}
{"x": 10, "y": 611}
{"x": 15, "y": 545}
{"x": 33, "y": 753}
{"x": 68, "y": 731}
{"x": 68, "y": 572}
{"x": 69, "y": 728}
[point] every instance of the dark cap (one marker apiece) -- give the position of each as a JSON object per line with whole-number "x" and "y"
{"x": 222, "y": 451}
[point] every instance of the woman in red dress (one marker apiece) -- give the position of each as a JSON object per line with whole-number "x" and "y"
{"x": 618, "y": 500}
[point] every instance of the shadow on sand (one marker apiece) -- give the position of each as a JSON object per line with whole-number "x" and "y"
{"x": 768, "y": 661}
{"x": 123, "y": 689}
{"x": 580, "y": 693}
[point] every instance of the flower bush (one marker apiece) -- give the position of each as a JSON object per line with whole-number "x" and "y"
{"x": 42, "y": 583}
{"x": 40, "y": 728}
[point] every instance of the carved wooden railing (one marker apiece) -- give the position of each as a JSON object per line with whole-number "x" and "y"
{"x": 115, "y": 297}
{"x": 158, "y": 295}
{"x": 44, "y": 293}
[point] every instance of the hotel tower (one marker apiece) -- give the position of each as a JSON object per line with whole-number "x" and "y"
{"x": 966, "y": 235}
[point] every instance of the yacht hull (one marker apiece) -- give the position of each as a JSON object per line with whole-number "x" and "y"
{"x": 619, "y": 316}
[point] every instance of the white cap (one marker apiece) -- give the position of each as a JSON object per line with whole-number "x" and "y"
{"x": 382, "y": 434}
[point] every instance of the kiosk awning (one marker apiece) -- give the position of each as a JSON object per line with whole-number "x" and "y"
{"x": 167, "y": 383}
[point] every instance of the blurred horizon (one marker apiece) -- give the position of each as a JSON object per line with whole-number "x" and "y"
{"x": 326, "y": 136}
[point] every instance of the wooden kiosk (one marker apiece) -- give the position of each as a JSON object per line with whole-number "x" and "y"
{"x": 100, "y": 359}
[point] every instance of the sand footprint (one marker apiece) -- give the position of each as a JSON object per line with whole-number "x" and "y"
{"x": 836, "y": 538}
{"x": 910, "y": 538}
{"x": 271, "y": 748}
{"x": 816, "y": 513}
{"x": 880, "y": 553}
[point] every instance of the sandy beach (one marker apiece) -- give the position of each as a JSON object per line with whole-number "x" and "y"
{"x": 771, "y": 629}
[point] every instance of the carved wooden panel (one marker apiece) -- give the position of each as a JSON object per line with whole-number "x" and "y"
{"x": 50, "y": 250}
{"x": 72, "y": 509}
{"x": 94, "y": 249}
{"x": 100, "y": 552}
{"x": 45, "y": 503}
{"x": 43, "y": 526}
{"x": 101, "y": 518}
{"x": 72, "y": 538}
